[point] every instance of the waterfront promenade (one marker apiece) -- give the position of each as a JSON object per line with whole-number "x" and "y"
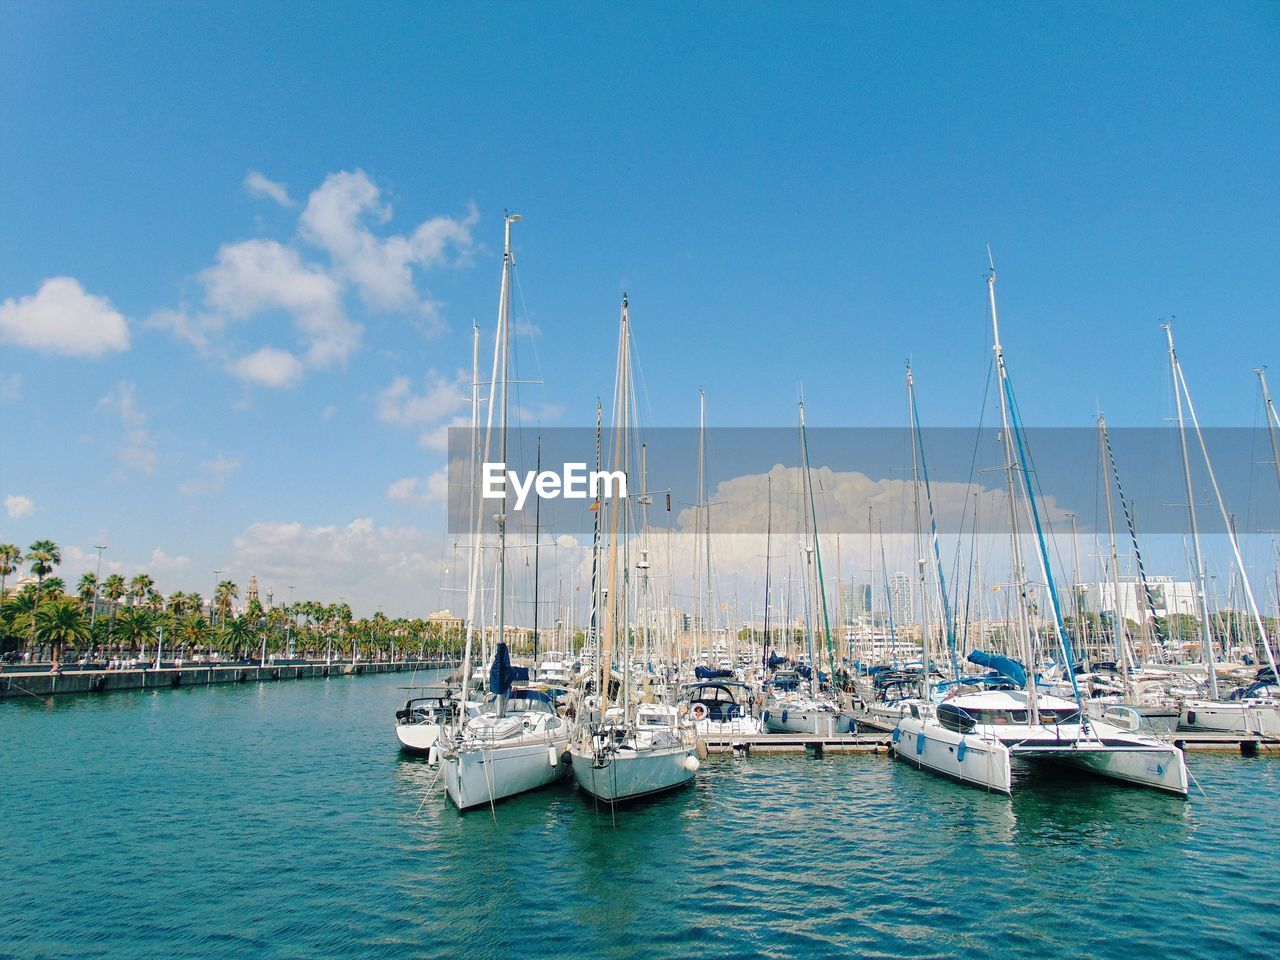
{"x": 23, "y": 682}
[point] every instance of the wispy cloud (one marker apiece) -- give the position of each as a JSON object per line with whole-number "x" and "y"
{"x": 137, "y": 451}
{"x": 18, "y": 506}
{"x": 61, "y": 318}
{"x": 420, "y": 492}
{"x": 212, "y": 478}
{"x": 259, "y": 186}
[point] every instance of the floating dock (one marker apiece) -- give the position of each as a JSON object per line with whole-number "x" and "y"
{"x": 747, "y": 744}
{"x": 46, "y": 683}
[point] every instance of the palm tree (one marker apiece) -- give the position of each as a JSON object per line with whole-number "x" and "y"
{"x": 178, "y": 603}
{"x": 139, "y": 587}
{"x": 136, "y": 625}
{"x": 43, "y": 555}
{"x": 235, "y": 634}
{"x": 60, "y": 623}
{"x": 226, "y": 592}
{"x": 10, "y": 559}
{"x": 88, "y": 589}
{"x": 113, "y": 589}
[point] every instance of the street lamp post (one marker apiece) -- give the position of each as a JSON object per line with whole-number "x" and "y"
{"x": 97, "y": 587}
{"x": 213, "y": 600}
{"x": 288, "y": 627}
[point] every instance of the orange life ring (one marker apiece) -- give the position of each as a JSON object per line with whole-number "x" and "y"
{"x": 700, "y": 711}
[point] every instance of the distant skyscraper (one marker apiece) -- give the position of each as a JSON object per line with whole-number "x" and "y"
{"x": 855, "y": 602}
{"x": 900, "y": 601}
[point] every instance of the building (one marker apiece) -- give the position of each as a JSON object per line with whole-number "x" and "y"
{"x": 855, "y": 603}
{"x": 901, "y": 605}
{"x": 1168, "y": 596}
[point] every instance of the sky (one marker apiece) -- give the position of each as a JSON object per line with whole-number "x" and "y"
{"x": 242, "y": 246}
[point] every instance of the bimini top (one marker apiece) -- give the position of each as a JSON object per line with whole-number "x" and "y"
{"x": 711, "y": 673}
{"x": 1002, "y": 665}
{"x": 717, "y": 690}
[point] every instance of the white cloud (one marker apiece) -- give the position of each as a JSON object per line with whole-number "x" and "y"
{"x": 213, "y": 476}
{"x": 368, "y": 564}
{"x": 420, "y": 492}
{"x": 380, "y": 268}
{"x": 269, "y": 367}
{"x": 162, "y": 562}
{"x": 259, "y": 186}
{"x": 18, "y": 506}
{"x": 257, "y": 276}
{"x": 62, "y": 318}
{"x": 137, "y": 451}
{"x": 441, "y": 397}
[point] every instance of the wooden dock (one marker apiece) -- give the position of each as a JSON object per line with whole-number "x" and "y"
{"x": 747, "y": 744}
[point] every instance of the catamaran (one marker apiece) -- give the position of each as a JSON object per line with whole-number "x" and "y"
{"x": 973, "y": 737}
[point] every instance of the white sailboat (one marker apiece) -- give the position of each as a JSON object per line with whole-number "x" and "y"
{"x": 629, "y": 749}
{"x": 517, "y": 742}
{"x": 973, "y": 737}
{"x": 1246, "y": 714}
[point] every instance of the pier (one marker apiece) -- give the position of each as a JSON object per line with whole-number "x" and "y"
{"x": 747, "y": 744}
{"x": 47, "y": 683}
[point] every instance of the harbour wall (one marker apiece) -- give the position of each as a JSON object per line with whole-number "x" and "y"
{"x": 48, "y": 683}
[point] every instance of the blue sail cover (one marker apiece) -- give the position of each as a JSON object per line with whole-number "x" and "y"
{"x": 1002, "y": 665}
{"x": 501, "y": 673}
{"x": 776, "y": 661}
{"x": 708, "y": 673}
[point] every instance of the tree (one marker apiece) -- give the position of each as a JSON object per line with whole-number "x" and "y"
{"x": 87, "y": 589}
{"x": 10, "y": 559}
{"x": 223, "y": 596}
{"x": 60, "y": 623}
{"x": 43, "y": 555}
{"x": 113, "y": 590}
{"x": 136, "y": 626}
{"x": 139, "y": 587}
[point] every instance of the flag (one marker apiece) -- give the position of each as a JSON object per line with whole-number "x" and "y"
{"x": 646, "y": 500}
{"x": 594, "y": 507}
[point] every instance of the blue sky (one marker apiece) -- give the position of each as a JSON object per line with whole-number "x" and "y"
{"x": 787, "y": 192}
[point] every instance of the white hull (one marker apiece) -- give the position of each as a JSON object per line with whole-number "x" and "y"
{"x": 1238, "y": 716}
{"x": 477, "y": 775}
{"x": 628, "y": 774}
{"x": 745, "y": 726}
{"x": 819, "y": 723}
{"x": 418, "y": 737}
{"x": 986, "y": 761}
{"x": 983, "y": 762}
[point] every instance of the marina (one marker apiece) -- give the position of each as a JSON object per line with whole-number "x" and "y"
{"x": 677, "y": 482}
{"x": 300, "y": 829}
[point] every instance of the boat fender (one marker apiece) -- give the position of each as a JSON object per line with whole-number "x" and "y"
{"x": 691, "y": 763}
{"x": 433, "y": 755}
{"x": 766, "y": 716}
{"x": 784, "y": 716}
{"x": 919, "y": 744}
{"x": 1191, "y": 717}
{"x": 897, "y": 734}
{"x": 961, "y": 750}
{"x": 699, "y": 711}
{"x": 553, "y": 757}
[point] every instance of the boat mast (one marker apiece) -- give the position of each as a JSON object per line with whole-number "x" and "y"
{"x": 1019, "y": 580}
{"x": 1119, "y": 623}
{"x": 921, "y": 563}
{"x": 504, "y": 337}
{"x": 1206, "y": 638}
{"x": 1226, "y": 519}
{"x": 768, "y": 556}
{"x": 1273, "y": 421}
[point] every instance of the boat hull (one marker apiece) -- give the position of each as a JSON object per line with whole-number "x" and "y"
{"x": 966, "y": 757}
{"x": 1260, "y": 719}
{"x": 629, "y": 775}
{"x": 820, "y": 723}
{"x": 478, "y": 775}
{"x": 418, "y": 737}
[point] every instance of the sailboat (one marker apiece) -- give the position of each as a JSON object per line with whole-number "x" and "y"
{"x": 974, "y": 737}
{"x": 628, "y": 749}
{"x": 805, "y": 708}
{"x": 1253, "y": 710}
{"x": 518, "y": 741}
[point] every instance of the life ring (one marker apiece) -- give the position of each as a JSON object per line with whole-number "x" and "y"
{"x": 700, "y": 711}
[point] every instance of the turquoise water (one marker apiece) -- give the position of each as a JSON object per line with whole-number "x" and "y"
{"x": 281, "y": 821}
